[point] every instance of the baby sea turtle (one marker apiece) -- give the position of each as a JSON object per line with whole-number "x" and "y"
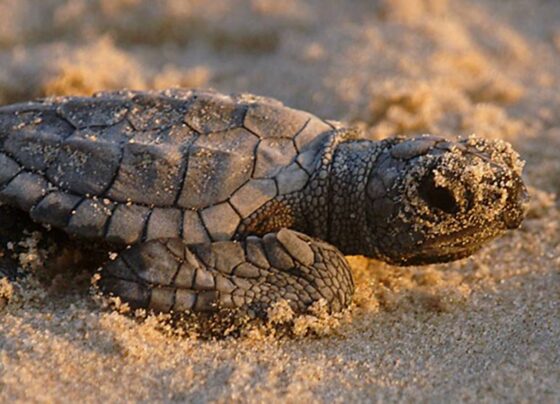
{"x": 237, "y": 201}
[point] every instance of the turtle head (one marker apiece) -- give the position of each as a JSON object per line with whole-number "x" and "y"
{"x": 432, "y": 200}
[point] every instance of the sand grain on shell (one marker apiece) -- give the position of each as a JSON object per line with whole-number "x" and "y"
{"x": 485, "y": 328}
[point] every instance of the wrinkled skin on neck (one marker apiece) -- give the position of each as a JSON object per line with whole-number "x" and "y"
{"x": 429, "y": 200}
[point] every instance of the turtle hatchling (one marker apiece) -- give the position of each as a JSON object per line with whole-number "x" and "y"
{"x": 237, "y": 201}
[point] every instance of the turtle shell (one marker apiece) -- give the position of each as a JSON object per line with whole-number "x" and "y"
{"x": 129, "y": 166}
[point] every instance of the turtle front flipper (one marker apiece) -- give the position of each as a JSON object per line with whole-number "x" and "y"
{"x": 168, "y": 275}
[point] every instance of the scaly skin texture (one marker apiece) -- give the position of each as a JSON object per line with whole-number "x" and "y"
{"x": 238, "y": 201}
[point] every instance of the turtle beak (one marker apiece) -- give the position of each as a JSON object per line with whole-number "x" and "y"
{"x": 517, "y": 205}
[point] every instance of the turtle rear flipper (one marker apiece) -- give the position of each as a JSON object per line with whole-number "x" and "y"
{"x": 167, "y": 275}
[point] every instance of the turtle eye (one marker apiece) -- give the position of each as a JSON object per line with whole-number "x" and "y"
{"x": 437, "y": 197}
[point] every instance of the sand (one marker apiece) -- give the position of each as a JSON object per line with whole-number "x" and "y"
{"x": 486, "y": 328}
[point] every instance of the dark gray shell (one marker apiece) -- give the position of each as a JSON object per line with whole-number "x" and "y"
{"x": 131, "y": 166}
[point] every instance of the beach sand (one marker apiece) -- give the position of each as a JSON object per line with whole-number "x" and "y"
{"x": 486, "y": 328}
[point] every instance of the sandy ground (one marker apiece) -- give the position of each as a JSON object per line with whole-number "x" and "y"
{"x": 483, "y": 329}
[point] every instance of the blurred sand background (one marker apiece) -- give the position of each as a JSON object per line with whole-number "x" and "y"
{"x": 484, "y": 329}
